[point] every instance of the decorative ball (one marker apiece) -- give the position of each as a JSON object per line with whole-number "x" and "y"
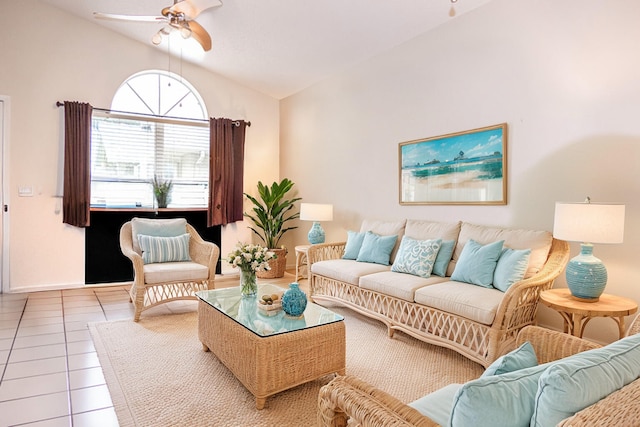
{"x": 294, "y": 300}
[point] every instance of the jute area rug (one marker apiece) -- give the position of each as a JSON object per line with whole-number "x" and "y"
{"x": 158, "y": 374}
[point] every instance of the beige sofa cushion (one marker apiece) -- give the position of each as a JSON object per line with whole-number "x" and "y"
{"x": 346, "y": 270}
{"x": 426, "y": 230}
{"x": 399, "y": 285}
{"x": 386, "y": 228}
{"x": 538, "y": 241}
{"x": 175, "y": 272}
{"x": 470, "y": 301}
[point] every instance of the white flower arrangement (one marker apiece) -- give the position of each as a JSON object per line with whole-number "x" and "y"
{"x": 249, "y": 257}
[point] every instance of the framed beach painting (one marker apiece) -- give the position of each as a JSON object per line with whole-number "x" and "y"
{"x": 463, "y": 168}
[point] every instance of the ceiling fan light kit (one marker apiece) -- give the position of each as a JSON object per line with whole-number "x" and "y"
{"x": 181, "y": 17}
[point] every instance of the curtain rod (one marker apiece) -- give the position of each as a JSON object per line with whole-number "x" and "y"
{"x": 235, "y": 122}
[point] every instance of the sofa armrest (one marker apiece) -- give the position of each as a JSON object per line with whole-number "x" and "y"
{"x": 347, "y": 397}
{"x": 324, "y": 251}
{"x": 551, "y": 345}
{"x": 520, "y": 303}
{"x": 620, "y": 408}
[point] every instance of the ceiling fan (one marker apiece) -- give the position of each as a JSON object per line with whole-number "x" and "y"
{"x": 181, "y": 17}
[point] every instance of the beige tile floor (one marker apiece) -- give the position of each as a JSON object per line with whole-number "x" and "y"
{"x": 50, "y": 375}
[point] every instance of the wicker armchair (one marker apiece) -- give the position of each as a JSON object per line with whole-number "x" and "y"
{"x": 155, "y": 284}
{"x": 348, "y": 399}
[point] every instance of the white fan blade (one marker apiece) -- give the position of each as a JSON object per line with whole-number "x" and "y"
{"x": 113, "y": 17}
{"x": 193, "y": 8}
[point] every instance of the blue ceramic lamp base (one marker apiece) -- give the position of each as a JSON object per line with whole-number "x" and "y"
{"x": 316, "y": 234}
{"x": 586, "y": 275}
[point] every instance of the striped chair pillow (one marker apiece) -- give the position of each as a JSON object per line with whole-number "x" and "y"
{"x": 164, "y": 249}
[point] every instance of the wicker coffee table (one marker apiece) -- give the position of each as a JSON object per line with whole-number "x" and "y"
{"x": 268, "y": 351}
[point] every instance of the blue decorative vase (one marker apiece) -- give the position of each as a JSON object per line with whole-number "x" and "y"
{"x": 316, "y": 234}
{"x": 586, "y": 275}
{"x": 294, "y": 301}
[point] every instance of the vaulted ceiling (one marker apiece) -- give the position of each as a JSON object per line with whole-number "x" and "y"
{"x": 280, "y": 47}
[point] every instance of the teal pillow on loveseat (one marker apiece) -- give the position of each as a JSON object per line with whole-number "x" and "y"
{"x": 505, "y": 400}
{"x": 573, "y": 383}
{"x": 520, "y": 358}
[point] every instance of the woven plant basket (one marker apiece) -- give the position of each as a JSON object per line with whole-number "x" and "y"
{"x": 277, "y": 265}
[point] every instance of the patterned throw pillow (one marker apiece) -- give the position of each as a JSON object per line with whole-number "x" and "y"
{"x": 416, "y": 256}
{"x": 164, "y": 249}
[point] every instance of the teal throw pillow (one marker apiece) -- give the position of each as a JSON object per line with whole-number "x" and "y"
{"x": 477, "y": 263}
{"x": 164, "y": 249}
{"x": 571, "y": 384}
{"x": 511, "y": 267}
{"x": 353, "y": 245}
{"x": 437, "y": 405}
{"x": 520, "y": 358}
{"x": 505, "y": 400}
{"x": 416, "y": 256}
{"x": 376, "y": 248}
{"x": 444, "y": 257}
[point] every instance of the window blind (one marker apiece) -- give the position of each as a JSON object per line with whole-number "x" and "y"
{"x": 127, "y": 152}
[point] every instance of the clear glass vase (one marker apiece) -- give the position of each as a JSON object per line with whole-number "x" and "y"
{"x": 248, "y": 284}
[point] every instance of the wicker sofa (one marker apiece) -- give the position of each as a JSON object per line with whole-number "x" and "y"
{"x": 479, "y": 322}
{"x": 348, "y": 399}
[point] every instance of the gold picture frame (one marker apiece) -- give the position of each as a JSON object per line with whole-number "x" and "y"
{"x": 462, "y": 168}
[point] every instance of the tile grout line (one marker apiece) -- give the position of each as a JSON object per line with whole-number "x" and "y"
{"x": 13, "y": 342}
{"x": 66, "y": 361}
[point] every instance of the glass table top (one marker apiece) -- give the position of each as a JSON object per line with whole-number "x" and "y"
{"x": 245, "y": 311}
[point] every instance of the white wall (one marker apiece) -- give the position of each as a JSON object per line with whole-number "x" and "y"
{"x": 49, "y": 56}
{"x": 563, "y": 75}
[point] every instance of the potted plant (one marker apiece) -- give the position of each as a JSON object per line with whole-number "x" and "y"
{"x": 161, "y": 191}
{"x": 270, "y": 214}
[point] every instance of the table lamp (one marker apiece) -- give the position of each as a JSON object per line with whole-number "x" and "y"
{"x": 316, "y": 212}
{"x": 588, "y": 223}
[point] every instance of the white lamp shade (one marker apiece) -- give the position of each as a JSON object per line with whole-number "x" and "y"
{"x": 316, "y": 212}
{"x": 589, "y": 222}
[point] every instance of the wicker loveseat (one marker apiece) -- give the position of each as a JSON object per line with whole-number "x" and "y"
{"x": 479, "y": 322}
{"x": 347, "y": 398}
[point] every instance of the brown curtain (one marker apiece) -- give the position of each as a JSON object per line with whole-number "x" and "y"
{"x": 226, "y": 170}
{"x": 77, "y": 163}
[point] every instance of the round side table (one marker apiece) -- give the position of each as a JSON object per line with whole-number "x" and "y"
{"x": 301, "y": 261}
{"x": 576, "y": 314}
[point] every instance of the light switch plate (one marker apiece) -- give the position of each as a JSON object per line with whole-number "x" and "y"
{"x": 25, "y": 191}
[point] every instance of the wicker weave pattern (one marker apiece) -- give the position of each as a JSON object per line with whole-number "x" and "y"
{"x": 268, "y": 365}
{"x": 278, "y": 265}
{"x": 147, "y": 295}
{"x": 366, "y": 405}
{"x": 551, "y": 345}
{"x": 478, "y": 342}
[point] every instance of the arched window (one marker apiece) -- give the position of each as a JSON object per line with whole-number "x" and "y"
{"x": 159, "y": 93}
{"x": 157, "y": 131}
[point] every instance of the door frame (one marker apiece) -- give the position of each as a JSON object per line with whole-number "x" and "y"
{"x": 5, "y": 196}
